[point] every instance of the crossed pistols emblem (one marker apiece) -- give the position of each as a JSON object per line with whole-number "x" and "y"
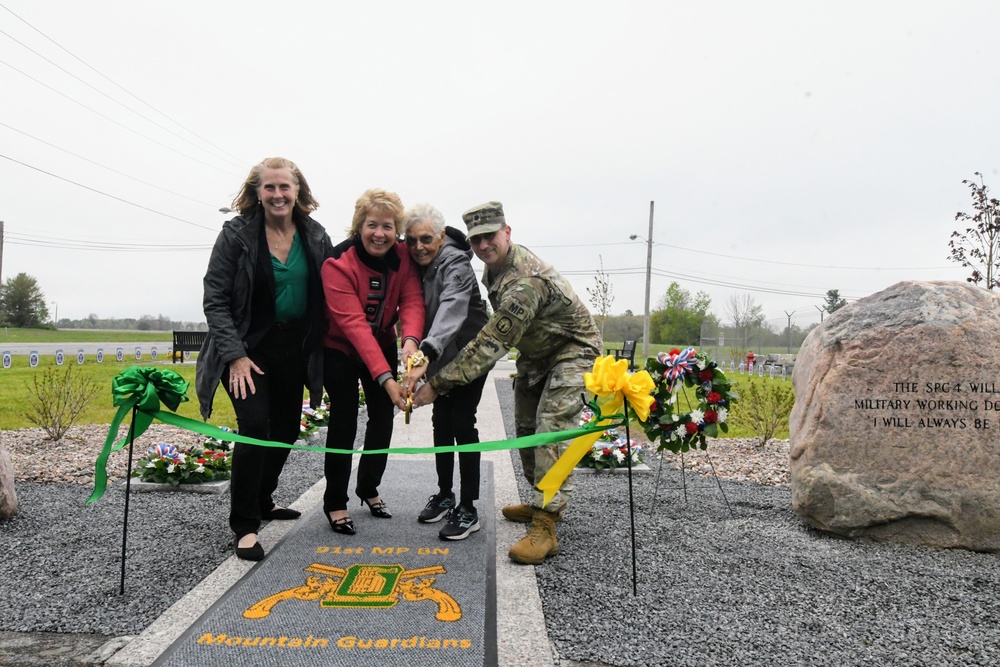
{"x": 376, "y": 586}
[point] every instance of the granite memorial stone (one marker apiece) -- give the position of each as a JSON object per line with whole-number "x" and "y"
{"x": 895, "y": 432}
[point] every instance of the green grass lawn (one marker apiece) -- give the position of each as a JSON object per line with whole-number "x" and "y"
{"x": 735, "y": 376}
{"x": 738, "y": 382}
{"x": 11, "y": 335}
{"x": 16, "y": 389}
{"x": 689, "y": 402}
{"x": 656, "y": 348}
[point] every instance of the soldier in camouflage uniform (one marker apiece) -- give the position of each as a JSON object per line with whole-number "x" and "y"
{"x": 535, "y": 310}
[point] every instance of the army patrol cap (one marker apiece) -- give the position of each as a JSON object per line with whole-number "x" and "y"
{"x": 485, "y": 218}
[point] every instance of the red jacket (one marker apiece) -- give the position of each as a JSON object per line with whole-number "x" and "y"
{"x": 366, "y": 296}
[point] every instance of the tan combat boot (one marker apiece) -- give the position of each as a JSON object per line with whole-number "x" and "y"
{"x": 539, "y": 543}
{"x": 524, "y": 513}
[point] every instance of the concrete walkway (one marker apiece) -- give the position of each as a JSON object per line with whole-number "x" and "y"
{"x": 519, "y": 610}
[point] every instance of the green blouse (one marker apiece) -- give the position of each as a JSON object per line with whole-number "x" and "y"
{"x": 291, "y": 283}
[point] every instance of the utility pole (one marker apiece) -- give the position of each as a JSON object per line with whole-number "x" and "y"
{"x": 1, "y": 252}
{"x": 649, "y": 264}
{"x": 789, "y": 330}
{"x": 821, "y": 310}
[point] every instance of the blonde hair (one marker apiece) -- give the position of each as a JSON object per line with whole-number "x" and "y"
{"x": 378, "y": 201}
{"x": 246, "y": 201}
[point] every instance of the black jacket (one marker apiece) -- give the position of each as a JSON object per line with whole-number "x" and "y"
{"x": 239, "y": 301}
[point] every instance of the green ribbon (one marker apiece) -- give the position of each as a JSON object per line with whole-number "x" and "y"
{"x": 142, "y": 389}
{"x": 140, "y": 384}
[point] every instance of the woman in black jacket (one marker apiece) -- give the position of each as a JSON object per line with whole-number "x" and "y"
{"x": 264, "y": 306}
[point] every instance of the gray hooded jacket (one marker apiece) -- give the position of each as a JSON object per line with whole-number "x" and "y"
{"x": 455, "y": 308}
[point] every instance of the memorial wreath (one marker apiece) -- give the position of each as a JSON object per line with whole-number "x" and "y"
{"x": 678, "y": 428}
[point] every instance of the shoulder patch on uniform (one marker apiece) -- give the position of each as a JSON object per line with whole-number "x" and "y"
{"x": 514, "y": 309}
{"x": 504, "y": 324}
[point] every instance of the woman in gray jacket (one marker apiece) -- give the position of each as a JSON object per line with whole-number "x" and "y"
{"x": 455, "y": 314}
{"x": 264, "y": 306}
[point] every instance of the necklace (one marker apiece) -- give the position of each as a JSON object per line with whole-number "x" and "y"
{"x": 277, "y": 238}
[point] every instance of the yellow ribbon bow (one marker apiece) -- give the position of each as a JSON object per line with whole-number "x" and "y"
{"x": 611, "y": 381}
{"x": 610, "y": 378}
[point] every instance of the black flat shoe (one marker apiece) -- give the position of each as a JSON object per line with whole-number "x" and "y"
{"x": 256, "y": 552}
{"x": 379, "y": 510}
{"x": 343, "y": 525}
{"x": 280, "y": 514}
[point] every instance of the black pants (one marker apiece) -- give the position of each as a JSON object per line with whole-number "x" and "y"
{"x": 454, "y": 423}
{"x": 272, "y": 412}
{"x": 341, "y": 373}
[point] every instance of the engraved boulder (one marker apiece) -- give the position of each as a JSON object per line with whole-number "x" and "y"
{"x": 895, "y": 432}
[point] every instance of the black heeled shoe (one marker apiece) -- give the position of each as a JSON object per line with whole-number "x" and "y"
{"x": 379, "y": 510}
{"x": 343, "y": 525}
{"x": 256, "y": 552}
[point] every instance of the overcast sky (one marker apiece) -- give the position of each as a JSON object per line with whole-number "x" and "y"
{"x": 790, "y": 147}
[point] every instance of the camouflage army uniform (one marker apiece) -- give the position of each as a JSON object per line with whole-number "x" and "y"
{"x": 535, "y": 310}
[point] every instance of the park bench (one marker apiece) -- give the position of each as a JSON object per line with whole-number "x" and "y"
{"x": 187, "y": 341}
{"x": 781, "y": 362}
{"x": 626, "y": 351}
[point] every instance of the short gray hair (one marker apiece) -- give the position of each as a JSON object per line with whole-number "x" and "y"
{"x": 423, "y": 213}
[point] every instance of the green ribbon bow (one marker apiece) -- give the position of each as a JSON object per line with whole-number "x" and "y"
{"x": 144, "y": 388}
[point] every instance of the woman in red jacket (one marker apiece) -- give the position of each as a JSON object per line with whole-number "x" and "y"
{"x": 370, "y": 283}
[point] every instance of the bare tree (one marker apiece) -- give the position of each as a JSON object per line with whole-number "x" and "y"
{"x": 978, "y": 248}
{"x": 744, "y": 312}
{"x": 601, "y": 295}
{"x": 57, "y": 399}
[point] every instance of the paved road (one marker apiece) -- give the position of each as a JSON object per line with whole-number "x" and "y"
{"x": 90, "y": 349}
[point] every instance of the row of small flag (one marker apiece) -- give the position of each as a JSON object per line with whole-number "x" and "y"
{"x": 33, "y": 356}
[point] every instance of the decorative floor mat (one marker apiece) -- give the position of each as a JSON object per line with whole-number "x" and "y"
{"x": 394, "y": 594}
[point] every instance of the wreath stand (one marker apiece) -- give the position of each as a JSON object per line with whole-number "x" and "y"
{"x": 128, "y": 488}
{"x": 715, "y": 474}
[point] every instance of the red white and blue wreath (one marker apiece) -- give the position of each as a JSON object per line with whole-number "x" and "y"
{"x": 675, "y": 421}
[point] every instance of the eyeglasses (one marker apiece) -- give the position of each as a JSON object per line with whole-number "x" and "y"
{"x": 479, "y": 238}
{"x": 426, "y": 239}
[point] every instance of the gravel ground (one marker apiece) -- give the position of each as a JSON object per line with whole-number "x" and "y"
{"x": 62, "y": 558}
{"x": 725, "y": 577}
{"x": 748, "y": 583}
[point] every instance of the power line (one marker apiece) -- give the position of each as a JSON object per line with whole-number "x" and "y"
{"x": 752, "y": 259}
{"x": 120, "y": 87}
{"x": 83, "y": 244}
{"x": 631, "y": 271}
{"x": 125, "y": 201}
{"x": 111, "y": 120}
{"x": 70, "y": 246}
{"x": 121, "y": 104}
{"x": 98, "y": 164}
{"x": 813, "y": 266}
{"x": 701, "y": 280}
{"x": 581, "y": 245}
{"x": 751, "y": 288}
